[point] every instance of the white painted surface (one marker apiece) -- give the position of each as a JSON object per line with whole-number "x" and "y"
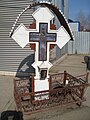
{"x": 41, "y": 85}
{"x": 43, "y": 14}
{"x": 21, "y": 35}
{"x": 62, "y": 37}
{"x": 74, "y": 26}
{"x": 41, "y": 65}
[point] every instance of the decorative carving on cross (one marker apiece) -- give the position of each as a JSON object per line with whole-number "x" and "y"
{"x": 43, "y": 37}
{"x": 33, "y": 26}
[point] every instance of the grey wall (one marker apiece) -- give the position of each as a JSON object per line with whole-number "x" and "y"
{"x": 66, "y": 11}
{"x": 81, "y": 44}
{"x": 62, "y": 5}
{"x": 12, "y": 57}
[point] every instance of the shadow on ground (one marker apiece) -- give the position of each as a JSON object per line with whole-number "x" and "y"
{"x": 11, "y": 115}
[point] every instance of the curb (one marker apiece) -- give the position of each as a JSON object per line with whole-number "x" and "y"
{"x": 60, "y": 59}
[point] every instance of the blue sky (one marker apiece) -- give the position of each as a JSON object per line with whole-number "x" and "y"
{"x": 75, "y": 6}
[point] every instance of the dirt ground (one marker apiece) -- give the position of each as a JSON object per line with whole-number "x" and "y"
{"x": 82, "y": 113}
{"x": 74, "y": 65}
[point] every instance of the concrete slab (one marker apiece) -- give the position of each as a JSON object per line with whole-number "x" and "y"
{"x": 6, "y": 92}
{"x": 73, "y": 64}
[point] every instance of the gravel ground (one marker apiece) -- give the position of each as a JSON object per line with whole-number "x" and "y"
{"x": 73, "y": 65}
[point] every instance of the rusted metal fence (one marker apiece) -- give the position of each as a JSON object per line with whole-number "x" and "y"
{"x": 64, "y": 90}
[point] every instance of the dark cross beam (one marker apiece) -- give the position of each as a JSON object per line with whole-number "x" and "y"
{"x": 42, "y": 37}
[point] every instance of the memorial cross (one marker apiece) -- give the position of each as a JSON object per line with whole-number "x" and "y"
{"x": 43, "y": 37}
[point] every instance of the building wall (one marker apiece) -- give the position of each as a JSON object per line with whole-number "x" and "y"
{"x": 12, "y": 57}
{"x": 81, "y": 44}
{"x": 62, "y": 5}
{"x": 66, "y": 13}
{"x": 75, "y": 26}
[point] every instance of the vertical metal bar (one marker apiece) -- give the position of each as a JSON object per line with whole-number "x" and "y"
{"x": 50, "y": 82}
{"x": 87, "y": 77}
{"x": 65, "y": 77}
{"x": 82, "y": 92}
{"x": 33, "y": 87}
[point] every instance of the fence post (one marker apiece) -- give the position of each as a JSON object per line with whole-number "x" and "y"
{"x": 65, "y": 77}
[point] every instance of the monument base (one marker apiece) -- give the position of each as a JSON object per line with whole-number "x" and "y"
{"x": 41, "y": 85}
